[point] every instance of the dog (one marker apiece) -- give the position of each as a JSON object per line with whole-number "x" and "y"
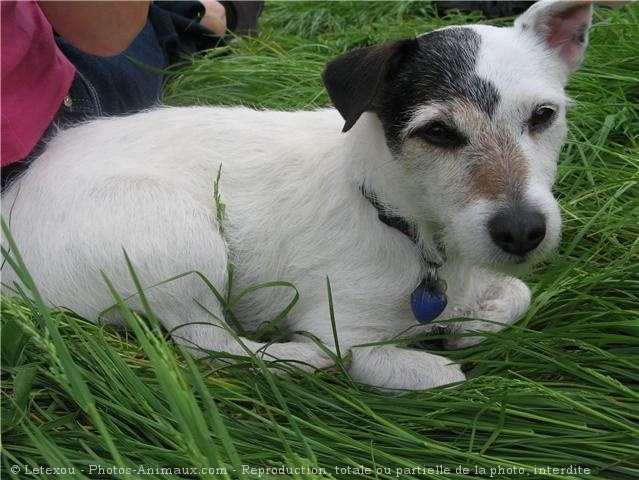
{"x": 436, "y": 163}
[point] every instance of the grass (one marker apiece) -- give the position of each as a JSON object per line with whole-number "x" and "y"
{"x": 558, "y": 390}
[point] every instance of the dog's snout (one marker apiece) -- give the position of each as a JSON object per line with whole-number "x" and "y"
{"x": 517, "y": 230}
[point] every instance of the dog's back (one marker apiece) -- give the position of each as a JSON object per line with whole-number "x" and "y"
{"x": 111, "y": 176}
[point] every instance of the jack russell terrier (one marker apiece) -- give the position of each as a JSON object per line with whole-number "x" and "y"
{"x": 441, "y": 174}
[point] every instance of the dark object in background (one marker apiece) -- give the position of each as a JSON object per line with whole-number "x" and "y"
{"x": 241, "y": 17}
{"x": 177, "y": 25}
{"x": 488, "y": 9}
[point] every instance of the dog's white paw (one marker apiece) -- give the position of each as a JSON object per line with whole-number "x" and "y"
{"x": 394, "y": 368}
{"x": 304, "y": 355}
{"x": 503, "y": 304}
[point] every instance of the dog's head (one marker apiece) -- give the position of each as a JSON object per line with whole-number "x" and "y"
{"x": 474, "y": 120}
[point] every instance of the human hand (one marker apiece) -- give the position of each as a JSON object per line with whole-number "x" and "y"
{"x": 214, "y": 17}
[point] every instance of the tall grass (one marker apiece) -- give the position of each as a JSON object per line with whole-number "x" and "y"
{"x": 558, "y": 390}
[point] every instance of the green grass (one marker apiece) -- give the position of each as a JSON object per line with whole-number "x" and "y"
{"x": 559, "y": 389}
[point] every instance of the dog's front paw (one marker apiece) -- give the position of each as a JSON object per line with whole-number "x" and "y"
{"x": 503, "y": 304}
{"x": 492, "y": 310}
{"x": 393, "y": 368}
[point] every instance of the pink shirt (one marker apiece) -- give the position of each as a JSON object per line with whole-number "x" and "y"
{"x": 35, "y": 78}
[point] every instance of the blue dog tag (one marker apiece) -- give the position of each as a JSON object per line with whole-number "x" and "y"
{"x": 428, "y": 301}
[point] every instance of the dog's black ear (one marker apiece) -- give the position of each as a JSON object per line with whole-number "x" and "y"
{"x": 354, "y": 79}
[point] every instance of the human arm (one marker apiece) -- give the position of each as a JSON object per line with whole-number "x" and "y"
{"x": 101, "y": 28}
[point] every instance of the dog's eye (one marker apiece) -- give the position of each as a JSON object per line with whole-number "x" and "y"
{"x": 541, "y": 118}
{"x": 441, "y": 135}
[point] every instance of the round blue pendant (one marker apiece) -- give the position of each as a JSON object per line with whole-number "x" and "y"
{"x": 427, "y": 302}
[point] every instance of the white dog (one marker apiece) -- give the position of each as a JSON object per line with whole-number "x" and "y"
{"x": 445, "y": 170}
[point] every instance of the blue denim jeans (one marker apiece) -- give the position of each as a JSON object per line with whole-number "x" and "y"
{"x": 132, "y": 81}
{"x": 115, "y": 85}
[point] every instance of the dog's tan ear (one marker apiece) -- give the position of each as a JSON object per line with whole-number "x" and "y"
{"x": 354, "y": 79}
{"x": 562, "y": 26}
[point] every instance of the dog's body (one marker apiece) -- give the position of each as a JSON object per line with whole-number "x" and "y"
{"x": 291, "y": 187}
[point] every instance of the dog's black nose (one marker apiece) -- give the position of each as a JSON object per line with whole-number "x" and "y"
{"x": 517, "y": 230}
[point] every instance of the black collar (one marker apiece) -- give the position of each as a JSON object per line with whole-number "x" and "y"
{"x": 431, "y": 282}
{"x": 428, "y": 300}
{"x": 393, "y": 221}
